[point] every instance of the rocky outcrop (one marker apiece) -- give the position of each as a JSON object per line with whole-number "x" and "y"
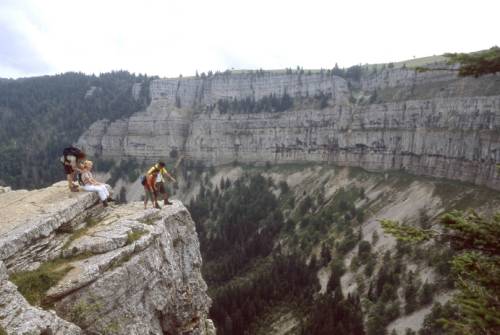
{"x": 426, "y": 123}
{"x": 17, "y": 316}
{"x": 126, "y": 270}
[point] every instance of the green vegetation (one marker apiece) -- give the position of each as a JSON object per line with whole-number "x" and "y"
{"x": 334, "y": 314}
{"x": 433, "y": 322}
{"x": 111, "y": 328}
{"x": 134, "y": 236}
{"x": 471, "y": 64}
{"x": 2, "y": 331}
{"x": 383, "y": 304}
{"x": 478, "y": 63}
{"x": 271, "y": 103}
{"x": 476, "y": 267}
{"x": 237, "y": 304}
{"x": 238, "y": 224}
{"x": 337, "y": 217}
{"x": 82, "y": 310}
{"x": 41, "y": 116}
{"x": 255, "y": 233}
{"x": 34, "y": 284}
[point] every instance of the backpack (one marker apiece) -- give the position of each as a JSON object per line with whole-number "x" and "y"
{"x": 72, "y": 151}
{"x": 143, "y": 180}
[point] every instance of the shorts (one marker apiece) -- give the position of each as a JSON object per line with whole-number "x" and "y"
{"x": 148, "y": 193}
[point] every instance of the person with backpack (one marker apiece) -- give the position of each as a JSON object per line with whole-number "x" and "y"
{"x": 72, "y": 160}
{"x": 153, "y": 183}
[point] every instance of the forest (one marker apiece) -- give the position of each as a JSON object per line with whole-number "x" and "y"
{"x": 248, "y": 275}
{"x": 40, "y": 116}
{"x": 260, "y": 238}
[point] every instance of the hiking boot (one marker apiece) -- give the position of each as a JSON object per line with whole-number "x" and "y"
{"x": 157, "y": 206}
{"x": 105, "y": 203}
{"x": 110, "y": 199}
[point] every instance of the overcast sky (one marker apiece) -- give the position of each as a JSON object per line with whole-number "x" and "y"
{"x": 168, "y": 38}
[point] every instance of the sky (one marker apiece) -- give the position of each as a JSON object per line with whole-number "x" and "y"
{"x": 170, "y": 37}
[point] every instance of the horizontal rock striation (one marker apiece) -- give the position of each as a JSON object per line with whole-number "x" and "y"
{"x": 129, "y": 270}
{"x": 431, "y": 123}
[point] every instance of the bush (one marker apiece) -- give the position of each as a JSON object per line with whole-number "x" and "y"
{"x": 426, "y": 294}
{"x": 364, "y": 250}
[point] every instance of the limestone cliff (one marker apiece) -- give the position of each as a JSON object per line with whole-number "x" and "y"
{"x": 430, "y": 123}
{"x": 123, "y": 269}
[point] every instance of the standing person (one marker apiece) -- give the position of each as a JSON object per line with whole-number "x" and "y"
{"x": 160, "y": 183}
{"x": 92, "y": 185}
{"x": 154, "y": 183}
{"x": 150, "y": 192}
{"x": 72, "y": 160}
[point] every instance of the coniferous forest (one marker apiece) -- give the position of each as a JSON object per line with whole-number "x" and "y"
{"x": 248, "y": 274}
{"x": 40, "y": 116}
{"x": 264, "y": 246}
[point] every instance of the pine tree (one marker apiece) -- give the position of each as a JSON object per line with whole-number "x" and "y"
{"x": 476, "y": 266}
{"x": 471, "y": 64}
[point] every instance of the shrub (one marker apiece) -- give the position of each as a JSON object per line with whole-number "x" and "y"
{"x": 364, "y": 250}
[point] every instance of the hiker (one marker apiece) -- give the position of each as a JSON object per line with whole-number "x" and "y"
{"x": 154, "y": 183}
{"x": 92, "y": 185}
{"x": 72, "y": 160}
{"x": 148, "y": 181}
{"x": 160, "y": 183}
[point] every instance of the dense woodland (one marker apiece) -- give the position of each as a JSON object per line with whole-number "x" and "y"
{"x": 238, "y": 225}
{"x": 257, "y": 238}
{"x": 248, "y": 273}
{"x": 42, "y": 115}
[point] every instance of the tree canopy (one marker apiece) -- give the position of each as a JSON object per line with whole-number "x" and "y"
{"x": 42, "y": 115}
{"x": 471, "y": 64}
{"x": 476, "y": 267}
{"x": 476, "y": 64}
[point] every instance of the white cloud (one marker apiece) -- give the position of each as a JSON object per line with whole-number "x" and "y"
{"x": 171, "y": 37}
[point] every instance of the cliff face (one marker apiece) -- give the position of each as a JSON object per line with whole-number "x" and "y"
{"x": 427, "y": 123}
{"x": 123, "y": 270}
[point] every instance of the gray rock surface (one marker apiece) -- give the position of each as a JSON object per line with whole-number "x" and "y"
{"x": 429, "y": 123}
{"x": 132, "y": 271}
{"x": 18, "y": 317}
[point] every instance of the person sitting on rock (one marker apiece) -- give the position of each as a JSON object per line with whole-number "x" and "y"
{"x": 91, "y": 185}
{"x": 72, "y": 161}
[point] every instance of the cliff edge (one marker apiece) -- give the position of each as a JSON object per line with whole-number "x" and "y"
{"x": 69, "y": 266}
